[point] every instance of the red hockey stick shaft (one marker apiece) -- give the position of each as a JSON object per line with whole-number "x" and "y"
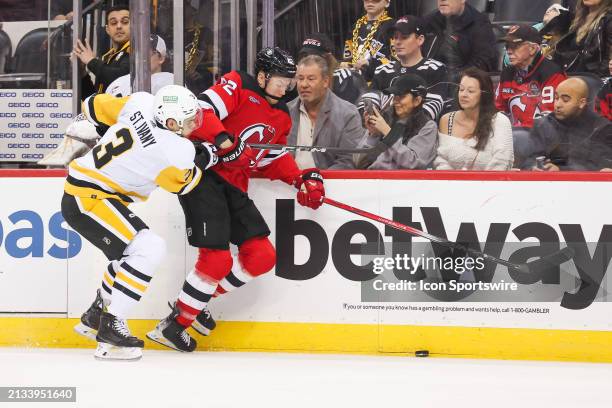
{"x": 556, "y": 258}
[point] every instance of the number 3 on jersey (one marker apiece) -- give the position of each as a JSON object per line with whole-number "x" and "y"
{"x": 103, "y": 154}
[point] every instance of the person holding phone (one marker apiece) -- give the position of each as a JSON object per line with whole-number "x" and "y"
{"x": 403, "y": 136}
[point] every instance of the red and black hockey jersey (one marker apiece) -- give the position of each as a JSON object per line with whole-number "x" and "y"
{"x": 603, "y": 102}
{"x": 434, "y": 74}
{"x": 526, "y": 95}
{"x": 238, "y": 106}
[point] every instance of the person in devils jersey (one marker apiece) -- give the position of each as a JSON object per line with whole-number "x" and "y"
{"x": 527, "y": 86}
{"x": 239, "y": 109}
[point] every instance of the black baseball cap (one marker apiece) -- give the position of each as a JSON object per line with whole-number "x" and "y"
{"x": 522, "y": 33}
{"x": 408, "y": 25}
{"x": 316, "y": 43}
{"x": 407, "y": 83}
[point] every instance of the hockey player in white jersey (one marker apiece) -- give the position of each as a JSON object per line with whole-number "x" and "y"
{"x": 407, "y": 40}
{"x": 81, "y": 135}
{"x": 141, "y": 150}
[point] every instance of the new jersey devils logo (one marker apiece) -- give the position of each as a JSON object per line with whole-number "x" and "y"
{"x": 258, "y": 133}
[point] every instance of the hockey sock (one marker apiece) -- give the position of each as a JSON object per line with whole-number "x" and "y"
{"x": 194, "y": 297}
{"x": 107, "y": 282}
{"x": 135, "y": 270}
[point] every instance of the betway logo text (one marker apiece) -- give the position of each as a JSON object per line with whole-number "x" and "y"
{"x": 591, "y": 268}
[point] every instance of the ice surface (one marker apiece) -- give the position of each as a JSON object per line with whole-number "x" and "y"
{"x": 215, "y": 379}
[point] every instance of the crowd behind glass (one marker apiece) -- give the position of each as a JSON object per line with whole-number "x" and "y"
{"x": 452, "y": 88}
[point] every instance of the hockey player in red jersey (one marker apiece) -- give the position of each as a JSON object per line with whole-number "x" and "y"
{"x": 237, "y": 110}
{"x": 527, "y": 87}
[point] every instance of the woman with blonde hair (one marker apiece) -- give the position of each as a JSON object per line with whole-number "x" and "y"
{"x": 587, "y": 47}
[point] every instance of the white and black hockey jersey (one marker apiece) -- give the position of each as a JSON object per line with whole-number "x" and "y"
{"x": 349, "y": 84}
{"x": 433, "y": 72}
{"x": 122, "y": 87}
{"x": 134, "y": 156}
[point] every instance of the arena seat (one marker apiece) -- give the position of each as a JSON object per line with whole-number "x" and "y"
{"x": 29, "y": 64}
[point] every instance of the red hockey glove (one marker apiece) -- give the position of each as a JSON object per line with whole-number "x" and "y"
{"x": 310, "y": 188}
{"x": 238, "y": 155}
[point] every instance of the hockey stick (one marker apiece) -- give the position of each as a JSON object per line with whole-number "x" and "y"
{"x": 554, "y": 259}
{"x": 294, "y": 148}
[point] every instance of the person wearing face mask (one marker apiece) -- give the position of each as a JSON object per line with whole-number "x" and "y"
{"x": 369, "y": 44}
{"x": 404, "y": 136}
{"x": 477, "y": 136}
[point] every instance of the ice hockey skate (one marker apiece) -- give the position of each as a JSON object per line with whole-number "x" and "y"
{"x": 170, "y": 333}
{"x": 115, "y": 341}
{"x": 204, "y": 322}
{"x": 90, "y": 320}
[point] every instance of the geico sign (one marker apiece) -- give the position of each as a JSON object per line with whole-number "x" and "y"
{"x": 23, "y": 235}
{"x": 33, "y": 94}
{"x": 61, "y": 115}
{"x": 47, "y": 105}
{"x": 591, "y": 268}
{"x": 32, "y": 156}
{"x": 32, "y": 115}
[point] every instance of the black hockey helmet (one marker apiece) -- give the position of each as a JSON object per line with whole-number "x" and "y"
{"x": 275, "y": 61}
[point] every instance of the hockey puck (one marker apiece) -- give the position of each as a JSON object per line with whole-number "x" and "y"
{"x": 421, "y": 353}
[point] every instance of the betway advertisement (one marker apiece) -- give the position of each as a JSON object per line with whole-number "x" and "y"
{"x": 336, "y": 267}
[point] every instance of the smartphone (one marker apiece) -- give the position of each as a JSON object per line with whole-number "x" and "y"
{"x": 368, "y": 106}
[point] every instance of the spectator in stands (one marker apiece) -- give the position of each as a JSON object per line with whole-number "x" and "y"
{"x": 403, "y": 137}
{"x": 476, "y": 137}
{"x": 603, "y": 102}
{"x": 573, "y": 137}
{"x": 408, "y": 37}
{"x": 346, "y": 83}
{"x": 460, "y": 36}
{"x": 116, "y": 62}
{"x": 588, "y": 45}
{"x": 321, "y": 118}
{"x": 527, "y": 87}
{"x": 369, "y": 44}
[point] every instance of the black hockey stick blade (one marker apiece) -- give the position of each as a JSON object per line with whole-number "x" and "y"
{"x": 554, "y": 259}
{"x": 294, "y": 148}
